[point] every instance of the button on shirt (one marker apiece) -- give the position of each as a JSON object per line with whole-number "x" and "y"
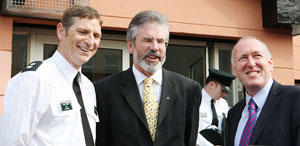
{"x": 34, "y": 114}
{"x": 206, "y": 115}
{"x": 260, "y": 99}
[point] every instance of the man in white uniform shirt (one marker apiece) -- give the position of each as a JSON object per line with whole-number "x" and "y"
{"x": 43, "y": 105}
{"x": 217, "y": 86}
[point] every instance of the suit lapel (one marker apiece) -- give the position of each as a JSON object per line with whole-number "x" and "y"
{"x": 132, "y": 96}
{"x": 235, "y": 121}
{"x": 268, "y": 110}
{"x": 168, "y": 96}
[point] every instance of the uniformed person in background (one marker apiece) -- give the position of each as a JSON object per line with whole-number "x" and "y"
{"x": 213, "y": 107}
{"x": 45, "y": 105}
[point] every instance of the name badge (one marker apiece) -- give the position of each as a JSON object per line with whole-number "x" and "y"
{"x": 66, "y": 105}
{"x": 203, "y": 115}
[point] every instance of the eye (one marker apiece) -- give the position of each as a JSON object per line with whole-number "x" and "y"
{"x": 242, "y": 58}
{"x": 257, "y": 55}
{"x": 161, "y": 41}
{"x": 147, "y": 40}
{"x": 97, "y": 36}
{"x": 81, "y": 32}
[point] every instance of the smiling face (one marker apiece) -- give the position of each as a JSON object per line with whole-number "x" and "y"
{"x": 80, "y": 42}
{"x": 252, "y": 65}
{"x": 149, "y": 48}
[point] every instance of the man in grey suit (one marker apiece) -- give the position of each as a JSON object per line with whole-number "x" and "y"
{"x": 123, "y": 99}
{"x": 269, "y": 114}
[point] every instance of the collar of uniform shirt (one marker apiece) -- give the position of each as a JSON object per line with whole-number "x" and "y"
{"x": 65, "y": 67}
{"x": 205, "y": 96}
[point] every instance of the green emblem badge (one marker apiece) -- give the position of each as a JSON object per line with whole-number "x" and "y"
{"x": 66, "y": 105}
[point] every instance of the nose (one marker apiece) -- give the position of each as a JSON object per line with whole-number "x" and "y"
{"x": 154, "y": 46}
{"x": 224, "y": 93}
{"x": 89, "y": 40}
{"x": 251, "y": 62}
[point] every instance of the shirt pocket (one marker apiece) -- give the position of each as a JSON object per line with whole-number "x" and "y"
{"x": 65, "y": 110}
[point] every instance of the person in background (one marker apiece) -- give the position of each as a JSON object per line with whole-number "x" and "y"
{"x": 51, "y": 103}
{"x": 147, "y": 105}
{"x": 269, "y": 113}
{"x": 213, "y": 107}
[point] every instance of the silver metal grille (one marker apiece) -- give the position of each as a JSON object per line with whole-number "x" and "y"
{"x": 44, "y": 9}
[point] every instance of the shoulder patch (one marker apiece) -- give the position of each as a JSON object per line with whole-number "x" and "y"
{"x": 33, "y": 66}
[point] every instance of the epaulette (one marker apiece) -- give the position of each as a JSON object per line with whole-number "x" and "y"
{"x": 33, "y": 66}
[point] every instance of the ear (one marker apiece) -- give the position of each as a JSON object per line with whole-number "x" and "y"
{"x": 271, "y": 64}
{"x": 60, "y": 30}
{"x": 233, "y": 70}
{"x": 130, "y": 46}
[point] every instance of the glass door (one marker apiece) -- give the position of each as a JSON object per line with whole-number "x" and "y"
{"x": 112, "y": 56}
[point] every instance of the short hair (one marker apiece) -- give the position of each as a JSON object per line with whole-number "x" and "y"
{"x": 81, "y": 12}
{"x": 146, "y": 17}
{"x": 264, "y": 46}
{"x": 210, "y": 79}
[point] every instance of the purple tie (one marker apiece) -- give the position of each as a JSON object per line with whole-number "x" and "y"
{"x": 249, "y": 125}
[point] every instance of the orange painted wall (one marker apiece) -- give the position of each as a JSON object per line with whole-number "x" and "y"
{"x": 296, "y": 44}
{"x": 6, "y": 25}
{"x": 228, "y": 19}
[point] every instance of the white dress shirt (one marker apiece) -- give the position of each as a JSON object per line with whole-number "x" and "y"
{"x": 206, "y": 117}
{"x": 33, "y": 114}
{"x": 156, "y": 84}
{"x": 260, "y": 99}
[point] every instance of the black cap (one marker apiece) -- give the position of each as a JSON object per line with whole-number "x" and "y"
{"x": 212, "y": 134}
{"x": 224, "y": 78}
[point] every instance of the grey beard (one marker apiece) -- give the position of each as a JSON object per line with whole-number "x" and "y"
{"x": 151, "y": 67}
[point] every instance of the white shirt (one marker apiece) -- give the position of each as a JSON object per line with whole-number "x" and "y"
{"x": 156, "y": 84}
{"x": 33, "y": 113}
{"x": 206, "y": 117}
{"x": 260, "y": 99}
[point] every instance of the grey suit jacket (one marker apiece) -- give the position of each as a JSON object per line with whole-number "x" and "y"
{"x": 279, "y": 121}
{"x": 122, "y": 117}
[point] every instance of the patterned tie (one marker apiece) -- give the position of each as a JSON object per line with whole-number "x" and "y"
{"x": 150, "y": 106}
{"x": 213, "y": 109}
{"x": 249, "y": 125}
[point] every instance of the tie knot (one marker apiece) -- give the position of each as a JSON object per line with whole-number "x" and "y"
{"x": 252, "y": 105}
{"x": 77, "y": 76}
{"x": 148, "y": 81}
{"x": 212, "y": 100}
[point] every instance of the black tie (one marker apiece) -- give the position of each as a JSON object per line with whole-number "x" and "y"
{"x": 213, "y": 109}
{"x": 85, "y": 123}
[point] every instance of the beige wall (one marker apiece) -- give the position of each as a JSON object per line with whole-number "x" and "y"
{"x": 5, "y": 54}
{"x": 230, "y": 19}
{"x": 296, "y": 44}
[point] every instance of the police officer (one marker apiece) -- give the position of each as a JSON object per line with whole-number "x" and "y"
{"x": 213, "y": 107}
{"x": 42, "y": 104}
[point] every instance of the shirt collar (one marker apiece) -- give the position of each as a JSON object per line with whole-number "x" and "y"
{"x": 260, "y": 97}
{"x": 65, "y": 67}
{"x": 140, "y": 77}
{"x": 205, "y": 96}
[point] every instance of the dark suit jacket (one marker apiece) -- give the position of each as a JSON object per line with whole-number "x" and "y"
{"x": 123, "y": 121}
{"x": 279, "y": 121}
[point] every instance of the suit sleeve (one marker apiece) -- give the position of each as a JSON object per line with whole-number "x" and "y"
{"x": 192, "y": 120}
